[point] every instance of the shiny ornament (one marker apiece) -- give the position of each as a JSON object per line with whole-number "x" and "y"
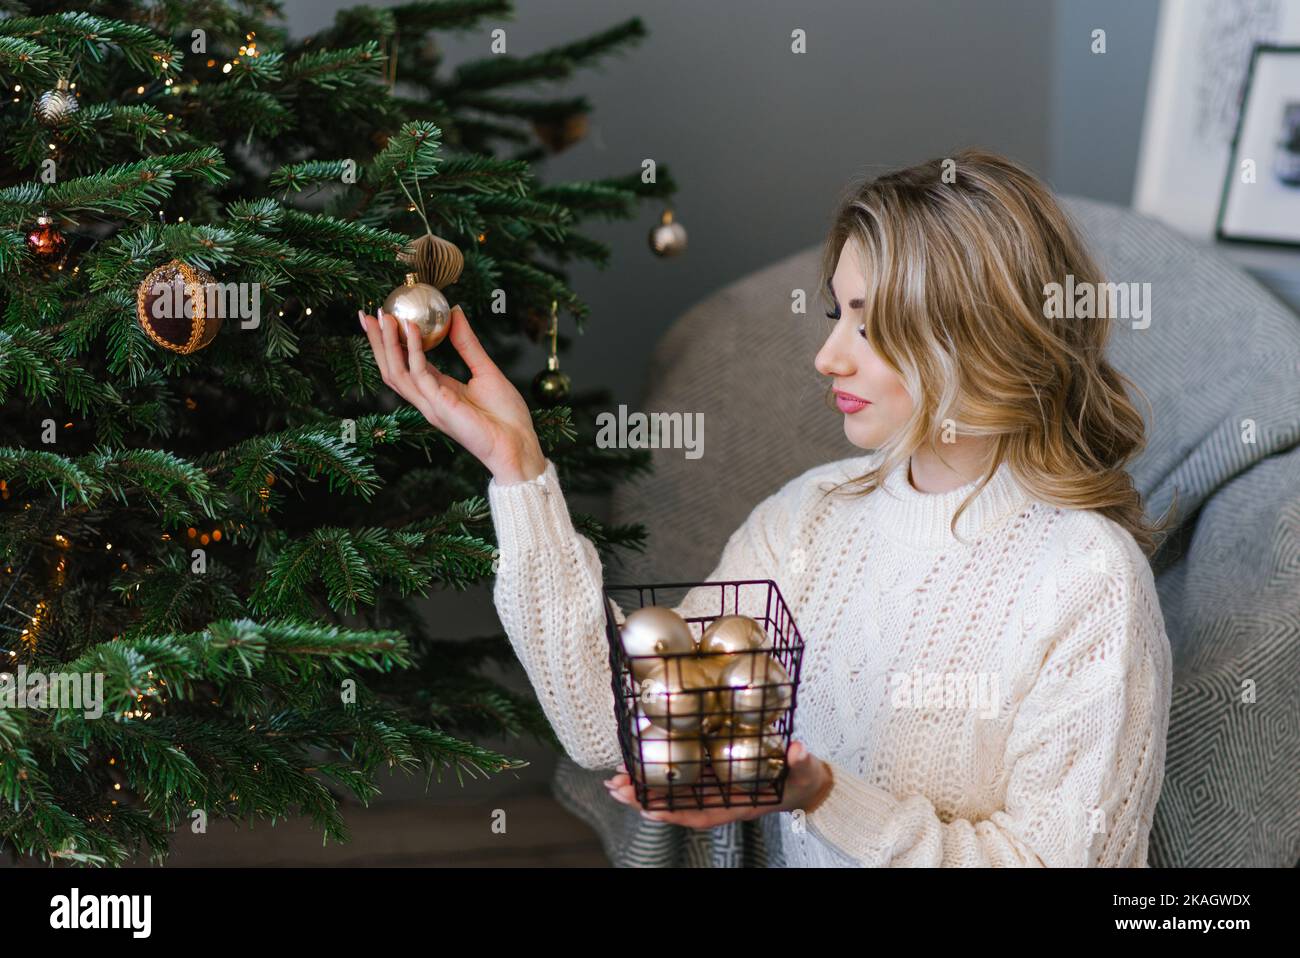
{"x": 171, "y": 305}
{"x": 433, "y": 260}
{"x": 55, "y": 106}
{"x": 663, "y": 759}
{"x": 423, "y": 305}
{"x": 44, "y": 240}
{"x": 675, "y": 696}
{"x": 654, "y": 630}
{"x": 742, "y": 757}
{"x": 550, "y": 386}
{"x": 756, "y": 690}
{"x": 725, "y": 636}
{"x": 669, "y": 237}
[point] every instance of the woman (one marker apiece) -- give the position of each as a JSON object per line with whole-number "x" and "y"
{"x": 990, "y": 546}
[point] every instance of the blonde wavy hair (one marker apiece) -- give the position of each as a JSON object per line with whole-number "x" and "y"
{"x": 956, "y": 276}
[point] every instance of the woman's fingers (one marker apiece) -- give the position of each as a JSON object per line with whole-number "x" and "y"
{"x": 394, "y": 366}
{"x": 371, "y": 326}
{"x": 467, "y": 344}
{"x": 441, "y": 391}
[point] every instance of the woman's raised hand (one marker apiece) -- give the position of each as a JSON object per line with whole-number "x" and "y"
{"x": 486, "y": 415}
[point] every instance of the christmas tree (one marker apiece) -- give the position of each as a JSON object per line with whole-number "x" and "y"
{"x": 211, "y": 506}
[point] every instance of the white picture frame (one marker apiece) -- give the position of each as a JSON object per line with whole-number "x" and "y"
{"x": 1198, "y": 74}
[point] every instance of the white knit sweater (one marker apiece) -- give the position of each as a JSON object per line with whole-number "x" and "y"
{"x": 1002, "y": 701}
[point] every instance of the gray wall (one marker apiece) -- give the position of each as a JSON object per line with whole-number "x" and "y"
{"x": 1098, "y": 99}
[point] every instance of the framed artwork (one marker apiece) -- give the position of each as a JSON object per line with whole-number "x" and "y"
{"x": 1199, "y": 73}
{"x": 1260, "y": 202}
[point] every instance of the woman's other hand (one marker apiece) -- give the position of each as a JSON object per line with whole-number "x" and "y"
{"x": 808, "y": 775}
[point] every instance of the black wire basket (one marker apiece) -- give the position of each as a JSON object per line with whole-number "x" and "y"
{"x": 729, "y": 741}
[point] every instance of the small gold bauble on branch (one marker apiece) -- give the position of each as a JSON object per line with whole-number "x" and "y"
{"x": 423, "y": 305}
{"x": 171, "y": 305}
{"x": 550, "y": 386}
{"x": 53, "y": 107}
{"x": 669, "y": 237}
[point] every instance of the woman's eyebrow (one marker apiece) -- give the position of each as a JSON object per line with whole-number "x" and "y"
{"x": 853, "y": 303}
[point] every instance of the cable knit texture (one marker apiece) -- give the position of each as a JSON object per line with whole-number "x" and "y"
{"x": 996, "y": 699}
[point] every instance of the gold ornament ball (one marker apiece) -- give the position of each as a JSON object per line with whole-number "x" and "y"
{"x": 756, "y": 690}
{"x": 741, "y": 756}
{"x": 669, "y": 237}
{"x": 650, "y": 631}
{"x": 732, "y": 633}
{"x": 665, "y": 760}
{"x": 675, "y": 696}
{"x": 423, "y": 305}
{"x": 551, "y": 387}
{"x": 725, "y": 636}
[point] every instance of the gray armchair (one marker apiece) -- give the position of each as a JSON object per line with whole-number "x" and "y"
{"x": 1220, "y": 353}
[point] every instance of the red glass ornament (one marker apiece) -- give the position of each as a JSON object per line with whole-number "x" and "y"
{"x": 45, "y": 240}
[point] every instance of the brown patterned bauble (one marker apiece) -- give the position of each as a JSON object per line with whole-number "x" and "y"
{"x": 669, "y": 237}
{"x": 44, "y": 239}
{"x": 433, "y": 260}
{"x": 53, "y": 107}
{"x": 562, "y": 132}
{"x": 171, "y": 305}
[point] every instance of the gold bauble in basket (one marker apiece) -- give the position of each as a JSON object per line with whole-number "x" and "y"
{"x": 739, "y": 756}
{"x": 756, "y": 689}
{"x": 674, "y": 695}
{"x": 665, "y": 759}
{"x": 651, "y": 631}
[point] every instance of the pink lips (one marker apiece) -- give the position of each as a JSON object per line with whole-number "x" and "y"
{"x": 850, "y": 403}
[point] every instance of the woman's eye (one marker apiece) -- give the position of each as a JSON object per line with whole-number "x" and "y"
{"x": 836, "y": 314}
{"x": 862, "y": 330}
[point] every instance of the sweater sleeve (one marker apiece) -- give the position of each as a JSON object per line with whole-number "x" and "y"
{"x": 1085, "y": 752}
{"x": 549, "y": 597}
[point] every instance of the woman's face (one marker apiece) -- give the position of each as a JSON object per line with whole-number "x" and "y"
{"x": 855, "y": 369}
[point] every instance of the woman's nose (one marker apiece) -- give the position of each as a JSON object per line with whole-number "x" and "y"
{"x": 832, "y": 359}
